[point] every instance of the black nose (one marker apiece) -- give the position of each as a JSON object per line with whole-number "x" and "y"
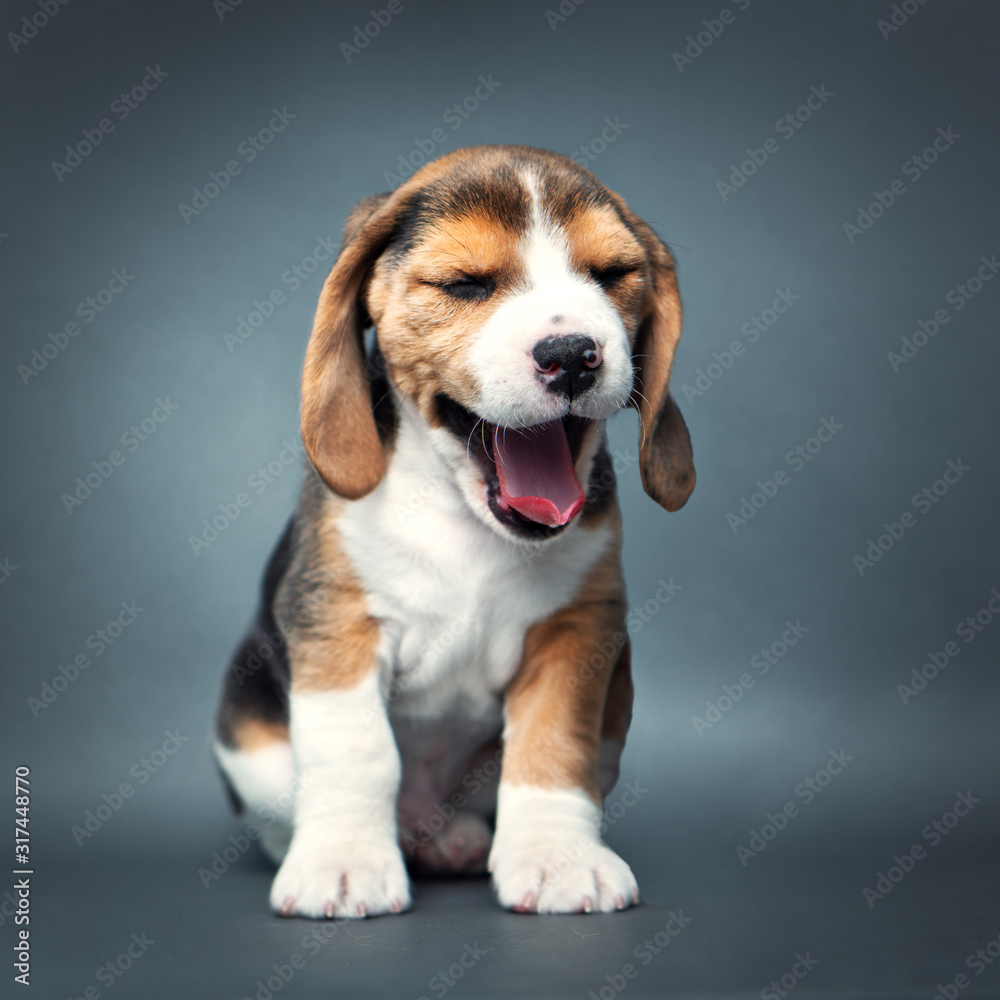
{"x": 568, "y": 364}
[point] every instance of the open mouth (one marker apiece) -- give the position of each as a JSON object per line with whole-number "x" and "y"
{"x": 531, "y": 482}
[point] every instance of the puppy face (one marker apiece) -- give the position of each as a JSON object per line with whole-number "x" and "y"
{"x": 509, "y": 291}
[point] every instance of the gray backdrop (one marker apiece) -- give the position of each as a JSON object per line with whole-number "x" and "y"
{"x": 878, "y": 247}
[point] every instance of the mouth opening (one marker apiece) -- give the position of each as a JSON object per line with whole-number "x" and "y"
{"x": 531, "y": 483}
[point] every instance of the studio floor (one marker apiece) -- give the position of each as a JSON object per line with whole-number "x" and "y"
{"x": 149, "y": 929}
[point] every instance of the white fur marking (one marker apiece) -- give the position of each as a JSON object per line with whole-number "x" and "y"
{"x": 344, "y": 859}
{"x": 263, "y": 780}
{"x": 548, "y": 855}
{"x": 510, "y": 394}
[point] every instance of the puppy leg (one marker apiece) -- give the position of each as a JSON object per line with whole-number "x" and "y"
{"x": 344, "y": 859}
{"x": 548, "y": 855}
{"x": 252, "y": 746}
{"x": 261, "y": 775}
{"x": 617, "y": 718}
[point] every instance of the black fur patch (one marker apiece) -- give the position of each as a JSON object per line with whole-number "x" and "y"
{"x": 501, "y": 196}
{"x": 256, "y": 683}
{"x": 603, "y": 485}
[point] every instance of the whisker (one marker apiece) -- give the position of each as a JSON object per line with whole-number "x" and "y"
{"x": 642, "y": 440}
{"x": 468, "y": 443}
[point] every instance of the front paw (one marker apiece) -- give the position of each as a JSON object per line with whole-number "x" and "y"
{"x": 546, "y": 875}
{"x": 326, "y": 879}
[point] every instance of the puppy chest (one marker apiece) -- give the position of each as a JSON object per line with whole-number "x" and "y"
{"x": 450, "y": 657}
{"x": 454, "y": 599}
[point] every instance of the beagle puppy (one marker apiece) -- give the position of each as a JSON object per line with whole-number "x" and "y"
{"x": 439, "y": 671}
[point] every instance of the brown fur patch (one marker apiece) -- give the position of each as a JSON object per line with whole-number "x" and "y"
{"x": 474, "y": 244}
{"x": 555, "y": 705}
{"x": 321, "y": 605}
{"x": 252, "y": 734}
{"x": 665, "y": 457}
{"x": 338, "y": 425}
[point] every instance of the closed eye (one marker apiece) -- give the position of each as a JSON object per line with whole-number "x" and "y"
{"x": 608, "y": 277}
{"x": 467, "y": 288}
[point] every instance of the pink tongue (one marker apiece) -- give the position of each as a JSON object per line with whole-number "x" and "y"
{"x": 536, "y": 474}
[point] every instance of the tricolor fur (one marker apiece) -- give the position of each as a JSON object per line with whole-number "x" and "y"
{"x": 425, "y": 685}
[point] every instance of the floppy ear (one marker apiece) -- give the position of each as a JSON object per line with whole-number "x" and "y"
{"x": 338, "y": 424}
{"x": 665, "y": 458}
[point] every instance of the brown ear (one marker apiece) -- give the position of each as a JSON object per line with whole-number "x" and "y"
{"x": 665, "y": 457}
{"x": 338, "y": 425}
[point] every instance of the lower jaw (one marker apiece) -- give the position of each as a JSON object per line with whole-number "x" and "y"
{"x": 517, "y": 523}
{"x": 462, "y": 423}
